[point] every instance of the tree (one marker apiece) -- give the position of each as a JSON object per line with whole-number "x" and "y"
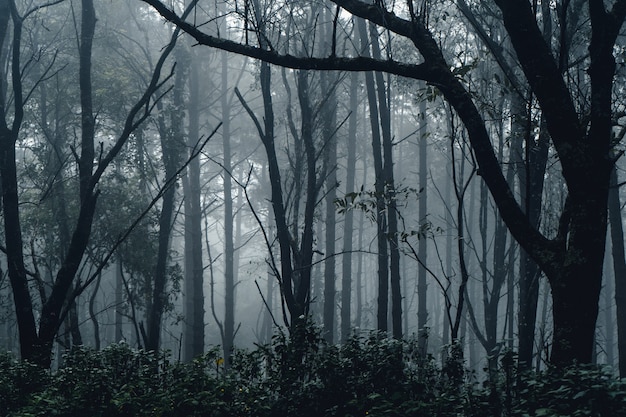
{"x": 328, "y": 83}
{"x": 36, "y": 340}
{"x": 379, "y": 186}
{"x": 194, "y": 271}
{"x": 346, "y": 264}
{"x": 172, "y": 139}
{"x": 619, "y": 269}
{"x": 422, "y": 286}
{"x": 571, "y": 259}
{"x": 228, "y": 337}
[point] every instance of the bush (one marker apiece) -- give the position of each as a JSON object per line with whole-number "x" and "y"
{"x": 300, "y": 376}
{"x": 19, "y": 381}
{"x": 576, "y": 391}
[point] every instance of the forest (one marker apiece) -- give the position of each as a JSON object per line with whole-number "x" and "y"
{"x": 312, "y": 208}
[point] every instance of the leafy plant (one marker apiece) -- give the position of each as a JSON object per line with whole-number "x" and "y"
{"x": 300, "y": 375}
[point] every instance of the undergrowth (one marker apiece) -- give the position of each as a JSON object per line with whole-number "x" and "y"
{"x": 300, "y": 376}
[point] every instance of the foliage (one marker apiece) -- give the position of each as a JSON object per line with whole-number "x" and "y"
{"x": 365, "y": 200}
{"x": 300, "y": 375}
{"x": 583, "y": 390}
{"x": 18, "y": 381}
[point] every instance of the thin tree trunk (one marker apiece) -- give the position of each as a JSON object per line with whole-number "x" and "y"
{"x": 445, "y": 338}
{"x": 171, "y": 141}
{"x": 422, "y": 253}
{"x": 194, "y": 270}
{"x": 608, "y": 292}
{"x": 346, "y": 276}
{"x": 159, "y": 295}
{"x": 119, "y": 299}
{"x": 360, "y": 287}
{"x": 330, "y": 143}
{"x": 528, "y": 270}
{"x": 305, "y": 255}
{"x": 229, "y": 248}
{"x": 379, "y": 187}
{"x": 51, "y": 310}
{"x": 389, "y": 192}
{"x": 619, "y": 270}
{"x": 92, "y": 312}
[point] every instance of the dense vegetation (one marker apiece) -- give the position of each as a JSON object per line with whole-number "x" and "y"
{"x": 368, "y": 375}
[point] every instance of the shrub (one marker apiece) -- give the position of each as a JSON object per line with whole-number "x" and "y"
{"x": 19, "y": 381}
{"x": 576, "y": 391}
{"x": 302, "y": 376}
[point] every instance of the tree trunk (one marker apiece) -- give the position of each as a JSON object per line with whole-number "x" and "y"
{"x": 447, "y": 314}
{"x": 346, "y": 264}
{"x": 422, "y": 252}
{"x": 530, "y": 162}
{"x": 329, "y": 122}
{"x": 460, "y": 184}
{"x": 576, "y": 285}
{"x": 171, "y": 143}
{"x": 10, "y": 203}
{"x": 619, "y": 270}
{"x": 304, "y": 258}
{"x": 359, "y": 271}
{"x": 119, "y": 299}
{"x": 608, "y": 300}
{"x": 92, "y": 312}
{"x": 379, "y": 187}
{"x": 389, "y": 192}
{"x": 229, "y": 247}
{"x": 295, "y": 278}
{"x": 49, "y": 323}
{"x": 159, "y": 295}
{"x": 194, "y": 270}
{"x": 278, "y": 207}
